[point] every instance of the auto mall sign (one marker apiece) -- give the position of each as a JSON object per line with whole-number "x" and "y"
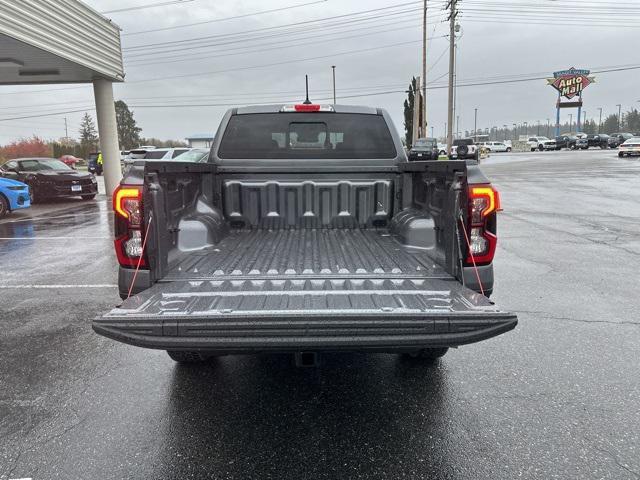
{"x": 571, "y": 82}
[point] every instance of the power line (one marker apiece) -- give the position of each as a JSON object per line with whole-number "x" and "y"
{"x": 256, "y": 30}
{"x": 215, "y": 20}
{"x": 150, "y": 5}
{"x": 368, "y": 94}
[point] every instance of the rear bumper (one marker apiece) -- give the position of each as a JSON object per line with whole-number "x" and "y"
{"x": 393, "y": 334}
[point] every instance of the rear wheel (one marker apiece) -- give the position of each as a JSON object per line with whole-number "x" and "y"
{"x": 540, "y": 147}
{"x": 508, "y": 149}
{"x": 188, "y": 357}
{"x": 620, "y": 154}
{"x": 4, "y": 206}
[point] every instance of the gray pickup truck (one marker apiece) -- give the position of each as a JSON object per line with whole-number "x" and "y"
{"x": 307, "y": 231}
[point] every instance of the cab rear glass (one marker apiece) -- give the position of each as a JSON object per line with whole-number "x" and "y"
{"x": 306, "y": 135}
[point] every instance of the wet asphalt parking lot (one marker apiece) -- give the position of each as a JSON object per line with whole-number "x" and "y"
{"x": 559, "y": 397}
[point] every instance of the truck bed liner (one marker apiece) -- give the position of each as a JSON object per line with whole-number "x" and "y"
{"x": 335, "y": 253}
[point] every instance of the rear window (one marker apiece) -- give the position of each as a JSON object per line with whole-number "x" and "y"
{"x": 306, "y": 135}
{"x": 155, "y": 154}
{"x": 463, "y": 141}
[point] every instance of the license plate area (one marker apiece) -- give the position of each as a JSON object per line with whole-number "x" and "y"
{"x": 76, "y": 188}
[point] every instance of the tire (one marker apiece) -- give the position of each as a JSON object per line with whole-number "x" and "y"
{"x": 533, "y": 149}
{"x": 508, "y": 149}
{"x": 89, "y": 197}
{"x": 541, "y": 147}
{"x": 430, "y": 354}
{"x": 462, "y": 151}
{"x": 4, "y": 206}
{"x": 32, "y": 195}
{"x": 620, "y": 154}
{"x": 186, "y": 357}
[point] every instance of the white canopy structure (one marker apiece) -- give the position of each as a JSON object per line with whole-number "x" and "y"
{"x": 65, "y": 41}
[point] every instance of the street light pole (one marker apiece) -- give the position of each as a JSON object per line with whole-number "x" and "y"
{"x": 600, "y": 120}
{"x": 505, "y": 132}
{"x": 475, "y": 123}
{"x": 515, "y": 131}
{"x": 526, "y": 130}
{"x": 538, "y": 127}
{"x": 619, "y": 116}
{"x": 570, "y": 121}
{"x": 333, "y": 70}
{"x": 548, "y": 126}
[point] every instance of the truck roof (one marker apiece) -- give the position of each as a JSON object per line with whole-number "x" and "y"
{"x": 275, "y": 108}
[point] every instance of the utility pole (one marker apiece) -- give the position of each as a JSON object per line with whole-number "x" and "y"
{"x": 571, "y": 122}
{"x": 538, "y": 127}
{"x": 548, "y": 126}
{"x": 333, "y": 69}
{"x": 66, "y": 130}
{"x": 600, "y": 120}
{"x": 417, "y": 111}
{"x": 475, "y": 123}
{"x": 424, "y": 69}
{"x": 452, "y": 58}
{"x": 457, "y": 126}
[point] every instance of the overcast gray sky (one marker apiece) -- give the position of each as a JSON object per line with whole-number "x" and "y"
{"x": 374, "y": 53}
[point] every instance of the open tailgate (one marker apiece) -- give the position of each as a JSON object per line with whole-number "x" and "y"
{"x": 262, "y": 314}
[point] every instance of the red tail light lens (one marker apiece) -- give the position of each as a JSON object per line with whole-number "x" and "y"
{"x": 127, "y": 204}
{"x": 484, "y": 203}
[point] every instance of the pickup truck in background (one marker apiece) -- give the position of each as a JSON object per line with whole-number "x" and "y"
{"x": 307, "y": 231}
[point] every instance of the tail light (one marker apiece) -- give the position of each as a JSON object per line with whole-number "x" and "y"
{"x": 129, "y": 221}
{"x": 484, "y": 203}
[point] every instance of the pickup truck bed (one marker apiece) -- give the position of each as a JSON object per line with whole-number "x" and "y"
{"x": 313, "y": 289}
{"x": 305, "y": 232}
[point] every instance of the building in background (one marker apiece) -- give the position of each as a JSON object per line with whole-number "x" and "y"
{"x": 200, "y": 140}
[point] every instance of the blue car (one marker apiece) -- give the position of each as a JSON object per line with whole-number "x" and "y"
{"x": 13, "y": 195}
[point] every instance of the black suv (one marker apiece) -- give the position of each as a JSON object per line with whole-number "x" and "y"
{"x": 424, "y": 149}
{"x": 566, "y": 141}
{"x": 601, "y": 141}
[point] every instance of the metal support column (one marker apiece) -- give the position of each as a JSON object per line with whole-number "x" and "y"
{"x": 558, "y": 116}
{"x": 108, "y": 131}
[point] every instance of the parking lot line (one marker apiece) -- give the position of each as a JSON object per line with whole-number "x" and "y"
{"x": 103, "y": 285}
{"x": 77, "y": 237}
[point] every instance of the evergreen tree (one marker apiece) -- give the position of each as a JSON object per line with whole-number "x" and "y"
{"x": 409, "y": 104}
{"x": 88, "y": 136}
{"x": 610, "y": 124}
{"x": 128, "y": 131}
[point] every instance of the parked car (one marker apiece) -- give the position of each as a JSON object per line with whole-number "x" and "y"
{"x": 442, "y": 149}
{"x": 463, "y": 148}
{"x": 496, "y": 146}
{"x": 92, "y": 164}
{"x": 619, "y": 138}
{"x": 288, "y": 245}
{"x": 541, "y": 143}
{"x": 197, "y": 155}
{"x": 598, "y": 140}
{"x": 153, "y": 154}
{"x": 630, "y": 147}
{"x": 566, "y": 141}
{"x": 13, "y": 195}
{"x": 50, "y": 178}
{"x": 424, "y": 149}
{"x": 70, "y": 160}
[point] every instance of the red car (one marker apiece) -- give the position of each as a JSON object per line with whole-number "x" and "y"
{"x": 69, "y": 160}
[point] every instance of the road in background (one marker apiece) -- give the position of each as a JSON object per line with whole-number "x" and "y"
{"x": 559, "y": 397}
